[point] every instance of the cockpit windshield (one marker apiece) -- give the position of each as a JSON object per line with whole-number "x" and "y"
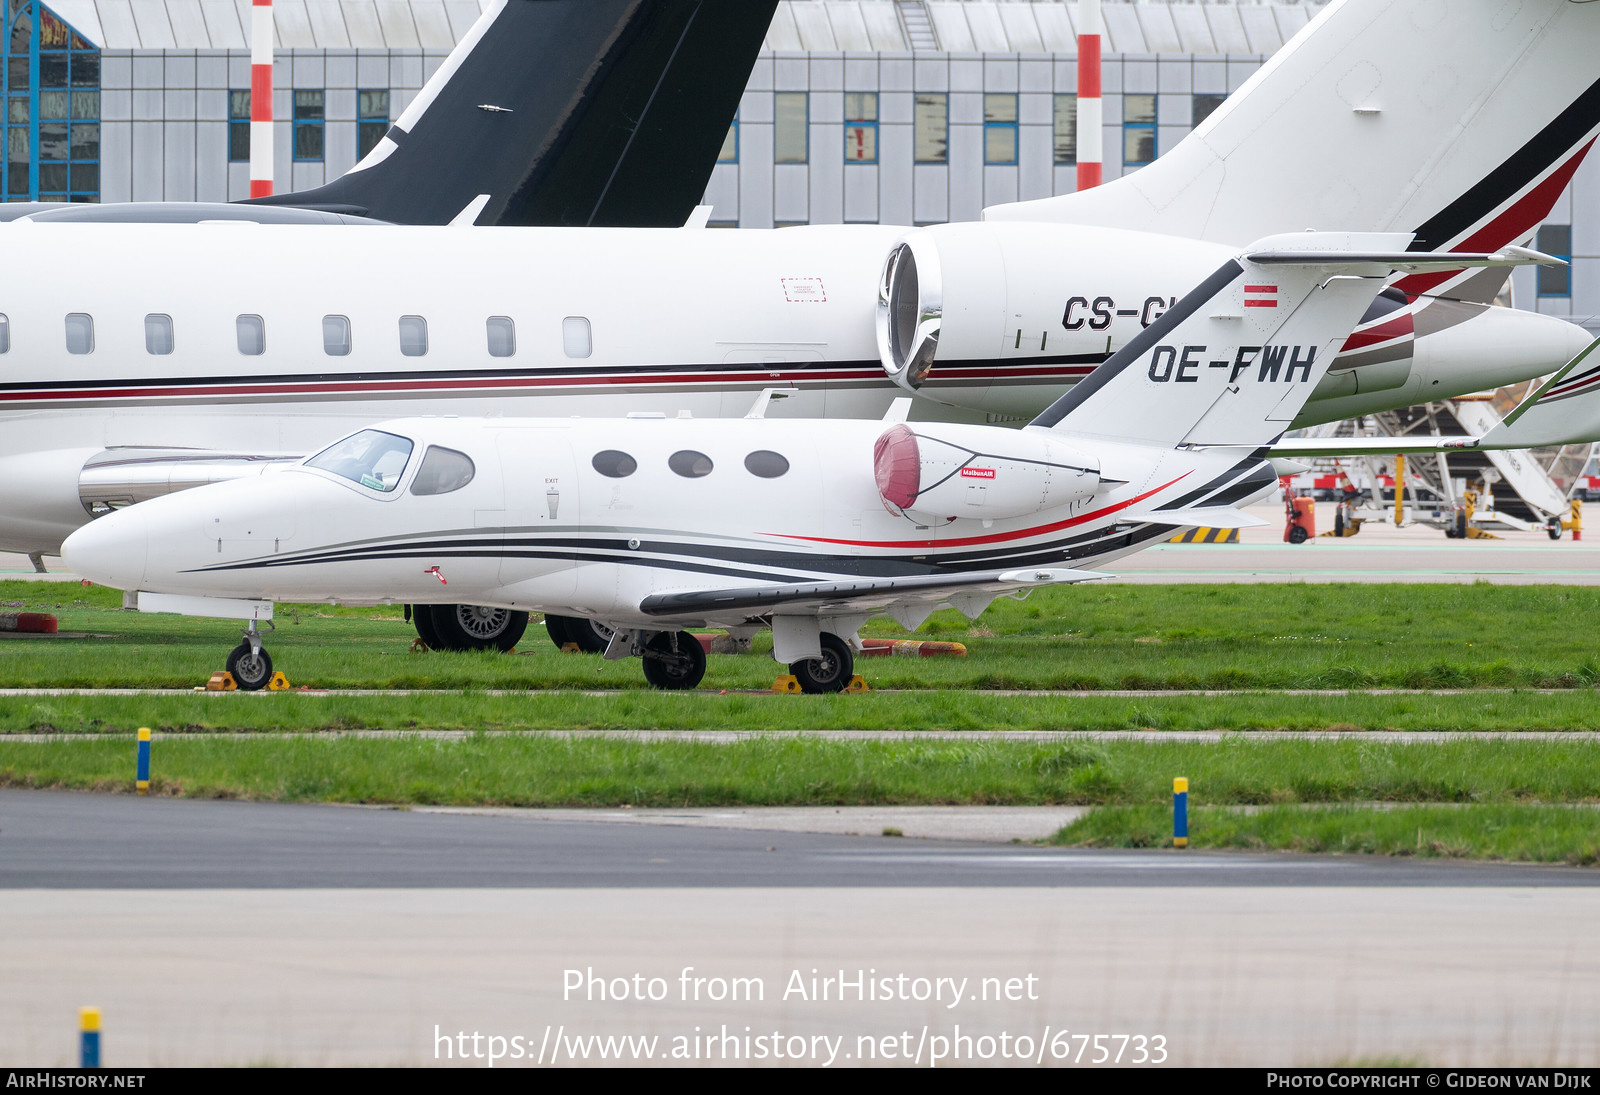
{"x": 372, "y": 458}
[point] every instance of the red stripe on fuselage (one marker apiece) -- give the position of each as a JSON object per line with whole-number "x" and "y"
{"x": 1517, "y": 221}
{"x": 997, "y": 538}
{"x": 1401, "y": 326}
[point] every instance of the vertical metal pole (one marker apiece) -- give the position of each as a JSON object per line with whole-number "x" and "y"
{"x": 143, "y": 776}
{"x": 1399, "y": 488}
{"x": 1091, "y": 138}
{"x": 261, "y": 98}
{"x": 1180, "y": 812}
{"x": 88, "y": 1037}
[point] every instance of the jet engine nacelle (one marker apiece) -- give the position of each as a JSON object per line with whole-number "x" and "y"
{"x": 936, "y": 472}
{"x": 974, "y": 296}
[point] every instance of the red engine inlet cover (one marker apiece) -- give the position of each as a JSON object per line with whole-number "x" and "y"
{"x": 897, "y": 466}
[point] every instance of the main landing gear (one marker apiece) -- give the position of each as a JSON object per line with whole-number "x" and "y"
{"x": 468, "y": 627}
{"x": 249, "y": 663}
{"x": 675, "y": 661}
{"x": 590, "y": 636}
{"x": 829, "y": 673}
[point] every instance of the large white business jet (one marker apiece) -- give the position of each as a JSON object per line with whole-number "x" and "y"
{"x": 201, "y": 351}
{"x": 809, "y": 527}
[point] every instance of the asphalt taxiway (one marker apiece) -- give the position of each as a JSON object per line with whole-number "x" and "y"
{"x": 62, "y": 840}
{"x": 235, "y": 933}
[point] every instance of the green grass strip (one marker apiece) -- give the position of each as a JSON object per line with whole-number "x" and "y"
{"x": 798, "y": 770}
{"x": 1534, "y": 834}
{"x": 1084, "y": 637}
{"x": 927, "y": 710}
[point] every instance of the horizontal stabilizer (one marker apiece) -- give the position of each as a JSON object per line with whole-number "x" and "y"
{"x": 1200, "y": 517}
{"x": 1311, "y": 448}
{"x": 1409, "y": 262}
{"x": 867, "y": 593}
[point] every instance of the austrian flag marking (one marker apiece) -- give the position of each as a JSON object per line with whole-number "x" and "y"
{"x": 1260, "y": 296}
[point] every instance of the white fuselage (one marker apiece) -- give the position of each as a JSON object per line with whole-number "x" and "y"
{"x": 539, "y": 527}
{"x": 603, "y": 322}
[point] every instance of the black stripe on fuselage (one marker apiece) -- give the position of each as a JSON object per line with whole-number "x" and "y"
{"x": 763, "y": 565}
{"x": 575, "y": 374}
{"x": 1545, "y": 149}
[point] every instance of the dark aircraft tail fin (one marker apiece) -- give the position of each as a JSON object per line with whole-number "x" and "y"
{"x": 564, "y": 112}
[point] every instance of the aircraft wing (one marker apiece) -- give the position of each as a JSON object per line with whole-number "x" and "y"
{"x": 866, "y": 594}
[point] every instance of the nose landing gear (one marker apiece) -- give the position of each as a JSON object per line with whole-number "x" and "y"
{"x": 249, "y": 663}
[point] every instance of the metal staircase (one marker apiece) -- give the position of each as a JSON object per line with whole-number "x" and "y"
{"x": 1530, "y": 488}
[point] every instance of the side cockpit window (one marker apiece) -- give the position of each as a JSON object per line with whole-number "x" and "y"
{"x": 372, "y": 458}
{"x": 442, "y": 471}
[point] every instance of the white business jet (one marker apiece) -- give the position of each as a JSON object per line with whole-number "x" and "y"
{"x": 809, "y": 527}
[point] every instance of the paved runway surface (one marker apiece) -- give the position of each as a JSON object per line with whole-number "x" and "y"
{"x": 65, "y": 840}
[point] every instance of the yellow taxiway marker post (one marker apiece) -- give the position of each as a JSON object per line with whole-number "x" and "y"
{"x": 89, "y": 1035}
{"x": 1180, "y": 812}
{"x": 142, "y": 774}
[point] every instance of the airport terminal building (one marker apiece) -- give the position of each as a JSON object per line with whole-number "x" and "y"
{"x": 858, "y": 111}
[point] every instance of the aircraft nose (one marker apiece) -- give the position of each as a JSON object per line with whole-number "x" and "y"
{"x": 112, "y": 550}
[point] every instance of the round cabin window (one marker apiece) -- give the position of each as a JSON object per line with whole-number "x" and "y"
{"x": 614, "y": 464}
{"x": 690, "y": 464}
{"x": 766, "y": 464}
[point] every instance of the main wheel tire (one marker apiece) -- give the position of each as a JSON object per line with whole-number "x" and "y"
{"x": 422, "y": 620}
{"x": 1299, "y": 535}
{"x": 1554, "y": 532}
{"x": 251, "y": 671}
{"x": 475, "y": 627}
{"x": 556, "y": 628}
{"x": 592, "y": 636}
{"x": 829, "y": 673}
{"x": 671, "y": 670}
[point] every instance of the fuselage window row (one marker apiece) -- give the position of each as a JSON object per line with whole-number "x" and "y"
{"x": 251, "y": 335}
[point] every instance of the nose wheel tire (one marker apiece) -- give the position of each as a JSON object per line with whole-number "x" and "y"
{"x": 474, "y": 627}
{"x": 829, "y": 673}
{"x": 591, "y": 636}
{"x": 251, "y": 670}
{"x": 672, "y": 669}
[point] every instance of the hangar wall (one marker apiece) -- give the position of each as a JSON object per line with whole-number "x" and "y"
{"x": 857, "y": 111}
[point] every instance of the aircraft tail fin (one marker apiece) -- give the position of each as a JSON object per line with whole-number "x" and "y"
{"x": 1564, "y": 410}
{"x": 1458, "y": 122}
{"x": 565, "y": 112}
{"x": 1235, "y": 361}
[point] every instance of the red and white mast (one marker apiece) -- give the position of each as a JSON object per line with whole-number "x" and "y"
{"x": 1090, "y": 116}
{"x": 261, "y": 99}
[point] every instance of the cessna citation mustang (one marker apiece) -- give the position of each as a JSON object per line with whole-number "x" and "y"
{"x": 809, "y": 527}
